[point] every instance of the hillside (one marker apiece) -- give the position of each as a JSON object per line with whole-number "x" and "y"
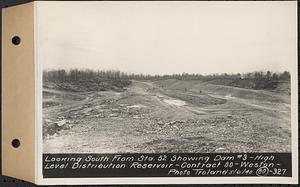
{"x": 279, "y": 94}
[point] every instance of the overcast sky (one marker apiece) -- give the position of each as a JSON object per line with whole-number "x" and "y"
{"x": 167, "y": 37}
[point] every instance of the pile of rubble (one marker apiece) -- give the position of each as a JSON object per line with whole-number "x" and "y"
{"x": 171, "y": 123}
{"x": 53, "y": 127}
{"x": 107, "y": 110}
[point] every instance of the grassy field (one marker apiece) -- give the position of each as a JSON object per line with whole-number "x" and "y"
{"x": 165, "y": 116}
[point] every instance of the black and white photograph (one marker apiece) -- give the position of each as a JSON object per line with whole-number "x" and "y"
{"x": 161, "y": 77}
{"x": 150, "y": 92}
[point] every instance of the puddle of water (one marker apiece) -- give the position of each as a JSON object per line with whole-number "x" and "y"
{"x": 135, "y": 106}
{"x": 229, "y": 96}
{"x": 175, "y": 102}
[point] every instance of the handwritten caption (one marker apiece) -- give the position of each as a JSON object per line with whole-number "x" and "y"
{"x": 166, "y": 165}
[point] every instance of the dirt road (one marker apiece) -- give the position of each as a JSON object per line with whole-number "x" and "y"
{"x": 148, "y": 118}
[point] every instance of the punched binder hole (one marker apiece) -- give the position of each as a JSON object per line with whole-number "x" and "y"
{"x": 16, "y": 40}
{"x": 16, "y": 143}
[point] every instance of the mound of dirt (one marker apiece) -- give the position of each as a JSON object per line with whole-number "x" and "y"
{"x": 246, "y": 83}
{"x": 89, "y": 85}
{"x": 283, "y": 87}
{"x": 243, "y": 93}
{"x": 201, "y": 88}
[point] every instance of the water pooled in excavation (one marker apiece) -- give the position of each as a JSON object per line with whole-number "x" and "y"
{"x": 175, "y": 102}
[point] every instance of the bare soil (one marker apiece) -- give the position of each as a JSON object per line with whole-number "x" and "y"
{"x": 166, "y": 116}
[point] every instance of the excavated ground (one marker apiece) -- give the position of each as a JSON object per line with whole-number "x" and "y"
{"x": 153, "y": 118}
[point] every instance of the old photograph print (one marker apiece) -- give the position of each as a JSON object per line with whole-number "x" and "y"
{"x": 166, "y": 77}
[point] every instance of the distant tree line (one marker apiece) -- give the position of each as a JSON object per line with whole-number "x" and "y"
{"x": 257, "y": 75}
{"x": 62, "y": 75}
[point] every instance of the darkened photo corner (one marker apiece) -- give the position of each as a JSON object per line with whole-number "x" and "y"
{"x": 166, "y": 89}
